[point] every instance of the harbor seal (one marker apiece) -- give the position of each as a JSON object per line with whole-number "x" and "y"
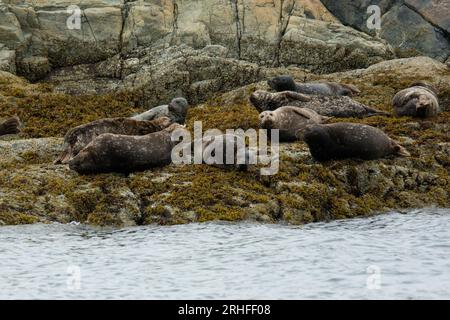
{"x": 290, "y": 121}
{"x": 10, "y": 126}
{"x": 176, "y": 111}
{"x": 122, "y": 153}
{"x": 419, "y": 100}
{"x": 287, "y": 83}
{"x": 350, "y": 140}
{"x": 240, "y": 153}
{"x": 330, "y": 106}
{"x": 79, "y": 137}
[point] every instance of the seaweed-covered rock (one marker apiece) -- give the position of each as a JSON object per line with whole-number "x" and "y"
{"x": 34, "y": 190}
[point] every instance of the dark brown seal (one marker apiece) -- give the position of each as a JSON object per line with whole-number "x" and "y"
{"x": 287, "y": 83}
{"x": 419, "y": 100}
{"x": 10, "y": 126}
{"x": 330, "y": 106}
{"x": 290, "y": 121}
{"x": 122, "y": 153}
{"x": 350, "y": 140}
{"x": 79, "y": 137}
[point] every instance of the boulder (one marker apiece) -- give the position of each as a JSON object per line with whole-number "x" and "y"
{"x": 412, "y": 26}
{"x": 269, "y": 33}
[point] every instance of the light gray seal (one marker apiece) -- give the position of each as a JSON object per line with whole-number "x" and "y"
{"x": 240, "y": 153}
{"x": 176, "y": 111}
{"x": 419, "y": 100}
{"x": 290, "y": 121}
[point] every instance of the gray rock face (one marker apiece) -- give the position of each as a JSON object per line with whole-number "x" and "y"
{"x": 157, "y": 76}
{"x": 411, "y": 25}
{"x": 44, "y": 34}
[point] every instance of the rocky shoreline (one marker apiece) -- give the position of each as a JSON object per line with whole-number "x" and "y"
{"x": 129, "y": 56}
{"x": 34, "y": 190}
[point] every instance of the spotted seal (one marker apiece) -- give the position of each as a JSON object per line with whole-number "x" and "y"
{"x": 419, "y": 100}
{"x": 79, "y": 137}
{"x": 291, "y": 121}
{"x": 330, "y": 106}
{"x": 123, "y": 153}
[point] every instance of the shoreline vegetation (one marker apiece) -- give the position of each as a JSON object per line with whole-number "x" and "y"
{"x": 34, "y": 190}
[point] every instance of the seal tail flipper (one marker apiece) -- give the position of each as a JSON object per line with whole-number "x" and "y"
{"x": 375, "y": 112}
{"x": 10, "y": 126}
{"x": 353, "y": 89}
{"x": 326, "y": 119}
{"x": 297, "y": 96}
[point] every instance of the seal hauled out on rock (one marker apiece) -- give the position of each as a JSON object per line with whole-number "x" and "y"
{"x": 210, "y": 144}
{"x": 419, "y": 100}
{"x": 10, "y": 126}
{"x": 291, "y": 121}
{"x": 176, "y": 111}
{"x": 350, "y": 140}
{"x": 122, "y": 153}
{"x": 287, "y": 83}
{"x": 330, "y": 106}
{"x": 79, "y": 137}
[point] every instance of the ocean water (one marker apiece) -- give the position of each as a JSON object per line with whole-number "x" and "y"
{"x": 393, "y": 256}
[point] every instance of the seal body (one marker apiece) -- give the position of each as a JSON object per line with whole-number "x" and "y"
{"x": 176, "y": 111}
{"x": 290, "y": 121}
{"x": 350, "y": 140}
{"x": 287, "y": 83}
{"x": 120, "y": 153}
{"x": 10, "y": 126}
{"x": 330, "y": 106}
{"x": 238, "y": 157}
{"x": 419, "y": 100}
{"x": 79, "y": 137}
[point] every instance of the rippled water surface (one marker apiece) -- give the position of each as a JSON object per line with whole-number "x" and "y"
{"x": 387, "y": 256}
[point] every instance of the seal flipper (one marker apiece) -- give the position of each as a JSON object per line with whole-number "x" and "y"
{"x": 375, "y": 112}
{"x": 10, "y": 126}
{"x": 297, "y": 96}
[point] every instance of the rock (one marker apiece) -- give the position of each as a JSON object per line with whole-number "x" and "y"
{"x": 269, "y": 33}
{"x": 421, "y": 35}
{"x": 413, "y": 26}
{"x": 35, "y": 68}
{"x": 29, "y": 151}
{"x": 157, "y": 76}
{"x": 7, "y": 60}
{"x": 400, "y": 71}
{"x": 34, "y": 190}
{"x": 324, "y": 48}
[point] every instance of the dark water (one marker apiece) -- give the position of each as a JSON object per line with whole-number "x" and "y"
{"x": 388, "y": 256}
